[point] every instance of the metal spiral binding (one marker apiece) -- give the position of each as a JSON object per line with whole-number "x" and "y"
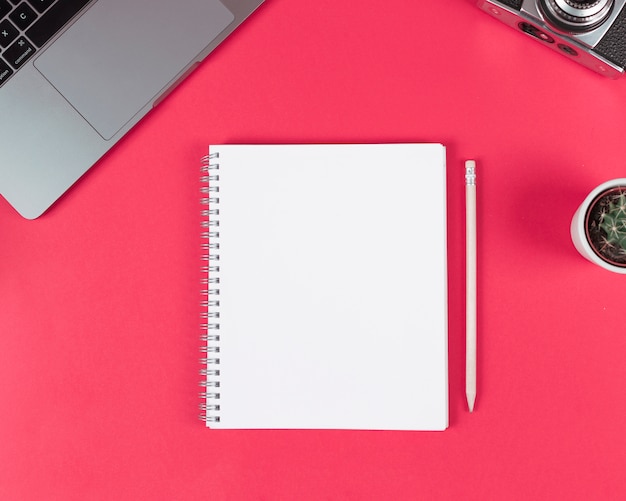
{"x": 210, "y": 304}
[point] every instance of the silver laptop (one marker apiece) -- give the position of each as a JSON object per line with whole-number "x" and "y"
{"x": 76, "y": 75}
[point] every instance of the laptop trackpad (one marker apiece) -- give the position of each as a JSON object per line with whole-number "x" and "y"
{"x": 120, "y": 54}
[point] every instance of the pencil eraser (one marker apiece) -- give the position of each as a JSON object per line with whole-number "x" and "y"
{"x": 470, "y": 172}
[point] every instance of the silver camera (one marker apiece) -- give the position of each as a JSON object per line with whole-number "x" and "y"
{"x": 591, "y": 32}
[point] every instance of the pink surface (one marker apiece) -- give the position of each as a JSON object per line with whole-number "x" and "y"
{"x": 99, "y": 308}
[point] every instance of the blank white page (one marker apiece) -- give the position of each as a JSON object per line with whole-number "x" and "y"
{"x": 332, "y": 287}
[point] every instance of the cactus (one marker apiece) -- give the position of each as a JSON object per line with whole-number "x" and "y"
{"x": 613, "y": 221}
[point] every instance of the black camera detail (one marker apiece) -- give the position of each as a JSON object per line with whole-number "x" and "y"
{"x": 613, "y": 44}
{"x": 568, "y": 50}
{"x": 536, "y": 32}
{"x": 516, "y": 4}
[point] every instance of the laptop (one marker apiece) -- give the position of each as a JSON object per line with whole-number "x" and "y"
{"x": 76, "y": 75}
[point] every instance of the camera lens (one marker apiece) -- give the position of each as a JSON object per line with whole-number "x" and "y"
{"x": 577, "y": 15}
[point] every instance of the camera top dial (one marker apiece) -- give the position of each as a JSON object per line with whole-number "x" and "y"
{"x": 576, "y": 15}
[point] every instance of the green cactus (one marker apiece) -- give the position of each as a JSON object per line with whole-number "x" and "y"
{"x": 613, "y": 221}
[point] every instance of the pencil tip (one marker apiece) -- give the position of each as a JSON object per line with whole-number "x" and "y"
{"x": 471, "y": 399}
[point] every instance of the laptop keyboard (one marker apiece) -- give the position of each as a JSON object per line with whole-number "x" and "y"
{"x": 25, "y": 26}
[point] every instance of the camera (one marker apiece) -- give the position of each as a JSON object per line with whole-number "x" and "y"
{"x": 591, "y": 32}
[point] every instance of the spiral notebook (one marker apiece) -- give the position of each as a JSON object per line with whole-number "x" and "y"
{"x": 326, "y": 290}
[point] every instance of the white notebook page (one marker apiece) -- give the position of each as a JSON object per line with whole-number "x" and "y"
{"x": 333, "y": 288}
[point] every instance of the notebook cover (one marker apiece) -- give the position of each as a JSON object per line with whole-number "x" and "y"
{"x": 327, "y": 282}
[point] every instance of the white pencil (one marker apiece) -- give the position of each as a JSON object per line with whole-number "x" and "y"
{"x": 470, "y": 293}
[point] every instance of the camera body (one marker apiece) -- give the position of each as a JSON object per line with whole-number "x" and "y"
{"x": 590, "y": 32}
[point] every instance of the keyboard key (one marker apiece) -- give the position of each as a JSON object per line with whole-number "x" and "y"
{"x": 8, "y": 33}
{"x": 40, "y": 5}
{"x": 5, "y": 8}
{"x": 19, "y": 52}
{"x": 5, "y": 71}
{"x": 23, "y": 16}
{"x": 15, "y": 2}
{"x": 53, "y": 20}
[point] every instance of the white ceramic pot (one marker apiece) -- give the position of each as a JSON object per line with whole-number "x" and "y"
{"x": 579, "y": 233}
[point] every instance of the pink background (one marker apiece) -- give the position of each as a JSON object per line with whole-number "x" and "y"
{"x": 99, "y": 297}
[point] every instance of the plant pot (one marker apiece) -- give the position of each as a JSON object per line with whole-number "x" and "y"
{"x": 597, "y": 226}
